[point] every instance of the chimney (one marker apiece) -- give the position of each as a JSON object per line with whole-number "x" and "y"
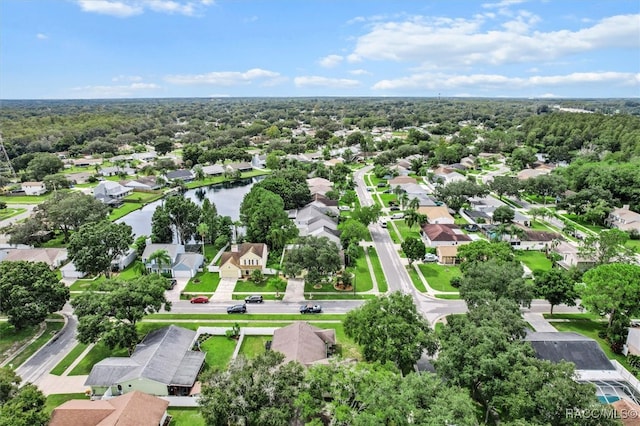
{"x": 625, "y": 207}
{"x": 234, "y": 248}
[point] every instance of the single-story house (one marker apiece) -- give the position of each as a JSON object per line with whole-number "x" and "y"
{"x": 181, "y": 174}
{"x": 304, "y": 343}
{"x": 86, "y": 162}
{"x": 213, "y": 170}
{"x": 443, "y": 235}
{"x": 320, "y": 189}
{"x": 259, "y": 161}
{"x": 623, "y": 219}
{"x": 399, "y": 170}
{"x": 318, "y": 182}
{"x": 108, "y": 191}
{"x": 571, "y": 256}
{"x": 162, "y": 364}
{"x": 478, "y": 216}
{"x": 241, "y": 167}
{"x": 532, "y": 173}
{"x": 449, "y": 178}
{"x": 447, "y": 255}
{"x": 309, "y": 212}
{"x": 124, "y": 260}
{"x": 583, "y": 351}
{"x": 183, "y": 265}
{"x": 33, "y": 188}
{"x": 54, "y": 257}
{"x": 79, "y": 177}
{"x": 632, "y": 345}
{"x": 468, "y": 162}
{"x": 333, "y": 162}
{"x": 437, "y": 215}
{"x": 400, "y": 180}
{"x": 115, "y": 171}
{"x": 145, "y": 183}
{"x": 241, "y": 260}
{"x": 134, "y": 408}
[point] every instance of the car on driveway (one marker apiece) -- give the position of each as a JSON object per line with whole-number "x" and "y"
{"x": 310, "y": 309}
{"x": 472, "y": 227}
{"x": 256, "y": 298}
{"x": 237, "y": 309}
{"x": 430, "y": 257}
{"x": 394, "y": 208}
{"x": 200, "y": 299}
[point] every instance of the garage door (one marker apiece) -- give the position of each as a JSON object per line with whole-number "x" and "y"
{"x": 182, "y": 274}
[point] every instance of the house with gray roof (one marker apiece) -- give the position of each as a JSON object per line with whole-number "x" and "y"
{"x": 183, "y": 265}
{"x": 181, "y": 174}
{"x": 162, "y": 364}
{"x": 304, "y": 343}
{"x": 213, "y": 170}
{"x": 110, "y": 192}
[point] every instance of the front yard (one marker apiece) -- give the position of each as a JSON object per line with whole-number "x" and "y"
{"x": 203, "y": 282}
{"x": 535, "y": 260}
{"x": 439, "y": 276}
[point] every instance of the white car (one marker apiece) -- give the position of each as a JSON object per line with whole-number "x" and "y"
{"x": 429, "y": 257}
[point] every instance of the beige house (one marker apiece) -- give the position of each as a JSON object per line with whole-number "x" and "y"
{"x": 33, "y": 188}
{"x": 624, "y": 219}
{"x": 437, "y": 215}
{"x": 54, "y": 257}
{"x": 447, "y": 255}
{"x": 570, "y": 256}
{"x": 135, "y": 408}
{"x": 243, "y": 259}
{"x": 304, "y": 343}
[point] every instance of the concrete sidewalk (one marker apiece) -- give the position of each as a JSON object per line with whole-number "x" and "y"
{"x": 295, "y": 291}
{"x": 539, "y": 323}
{"x": 224, "y": 292}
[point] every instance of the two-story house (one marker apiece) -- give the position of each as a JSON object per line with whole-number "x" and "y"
{"x": 624, "y": 219}
{"x": 243, "y": 259}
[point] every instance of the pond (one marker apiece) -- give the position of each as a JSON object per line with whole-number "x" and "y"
{"x": 226, "y": 196}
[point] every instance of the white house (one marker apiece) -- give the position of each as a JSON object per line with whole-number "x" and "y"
{"x": 33, "y": 188}
{"x": 69, "y": 271}
{"x": 108, "y": 191}
{"x": 183, "y": 265}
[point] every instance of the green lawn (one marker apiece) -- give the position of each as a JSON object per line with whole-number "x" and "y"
{"x": 439, "y": 276}
{"x": 404, "y": 230}
{"x": 84, "y": 284}
{"x": 96, "y": 354}
{"x": 590, "y": 328}
{"x": 10, "y": 212}
{"x": 578, "y": 219}
{"x": 124, "y": 210}
{"x": 68, "y": 360}
{"x": 392, "y": 232}
{"x": 12, "y": 338}
{"x": 60, "y": 398}
{"x": 633, "y": 244}
{"x": 535, "y": 260}
{"x": 253, "y": 346}
{"x": 537, "y": 225}
{"x": 448, "y": 296}
{"x": 25, "y": 199}
{"x": 221, "y": 179}
{"x": 203, "y": 282}
{"x": 55, "y": 242}
{"x": 417, "y": 282}
{"x": 185, "y": 417}
{"x": 459, "y": 220}
{"x": 219, "y": 350}
{"x": 130, "y": 272}
{"x": 270, "y": 286}
{"x": 377, "y": 271}
{"x": 49, "y": 333}
{"x": 143, "y": 197}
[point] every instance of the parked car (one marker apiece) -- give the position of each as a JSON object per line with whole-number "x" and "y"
{"x": 382, "y": 185}
{"x": 172, "y": 283}
{"x": 200, "y": 299}
{"x": 430, "y": 257}
{"x": 256, "y": 298}
{"x": 383, "y": 223}
{"x": 394, "y": 208}
{"x": 237, "y": 309}
{"x": 472, "y": 227}
{"x": 310, "y": 309}
{"x": 397, "y": 216}
{"x": 344, "y": 208}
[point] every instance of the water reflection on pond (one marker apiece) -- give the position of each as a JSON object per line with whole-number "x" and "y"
{"x": 226, "y": 196}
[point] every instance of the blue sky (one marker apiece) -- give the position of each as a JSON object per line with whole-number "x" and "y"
{"x": 63, "y": 49}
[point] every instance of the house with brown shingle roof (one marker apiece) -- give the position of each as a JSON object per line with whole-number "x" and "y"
{"x": 304, "y": 343}
{"x": 443, "y": 235}
{"x": 54, "y": 257}
{"x": 243, "y": 259}
{"x": 401, "y": 180}
{"x": 132, "y": 409}
{"x": 437, "y": 214}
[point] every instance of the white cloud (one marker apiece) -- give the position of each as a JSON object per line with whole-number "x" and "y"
{"x": 108, "y": 7}
{"x": 227, "y": 78}
{"x": 127, "y": 8}
{"x": 446, "y": 43}
{"x": 317, "y": 81}
{"x": 502, "y": 4}
{"x": 331, "y": 61}
{"x": 115, "y": 91}
{"x": 359, "y": 72}
{"x": 548, "y": 95}
{"x": 41, "y": 36}
{"x": 126, "y": 78}
{"x": 440, "y": 81}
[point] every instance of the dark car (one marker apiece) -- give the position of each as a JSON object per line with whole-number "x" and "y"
{"x": 200, "y": 299}
{"x": 472, "y": 227}
{"x": 237, "y": 309}
{"x": 172, "y": 283}
{"x": 394, "y": 208}
{"x": 253, "y": 299}
{"x": 310, "y": 309}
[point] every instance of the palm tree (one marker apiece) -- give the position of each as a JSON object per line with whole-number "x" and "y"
{"x": 404, "y": 199}
{"x": 160, "y": 258}
{"x": 414, "y": 204}
{"x": 203, "y": 231}
{"x": 199, "y": 172}
{"x": 412, "y": 217}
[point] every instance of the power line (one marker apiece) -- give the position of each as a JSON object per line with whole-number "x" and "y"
{"x": 5, "y": 156}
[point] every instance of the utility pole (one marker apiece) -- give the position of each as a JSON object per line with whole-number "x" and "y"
{"x": 5, "y": 157}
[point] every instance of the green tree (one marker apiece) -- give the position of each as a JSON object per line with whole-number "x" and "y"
{"x": 538, "y": 212}
{"x": 259, "y": 391}
{"x": 495, "y": 279}
{"x": 607, "y": 247}
{"x": 503, "y": 214}
{"x": 160, "y": 258}
{"x": 412, "y": 217}
{"x": 290, "y": 185}
{"x": 482, "y": 250}
{"x": 29, "y": 291}
{"x": 400, "y": 334}
{"x": 414, "y": 249}
{"x": 68, "y": 211}
{"x": 184, "y": 215}
{"x": 56, "y": 182}
{"x": 26, "y": 408}
{"x": 349, "y": 198}
{"x": 96, "y": 245}
{"x": 163, "y": 145}
{"x": 319, "y": 257}
{"x": 522, "y": 158}
{"x": 203, "y": 230}
{"x": 140, "y": 244}
{"x": 112, "y": 313}
{"x": 161, "y": 231}
{"x": 199, "y": 173}
{"x": 352, "y": 232}
{"x": 9, "y": 384}
{"x": 556, "y": 287}
{"x": 456, "y": 194}
{"x": 262, "y": 213}
{"x": 366, "y": 214}
{"x": 546, "y": 186}
{"x": 44, "y": 164}
{"x": 612, "y": 289}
